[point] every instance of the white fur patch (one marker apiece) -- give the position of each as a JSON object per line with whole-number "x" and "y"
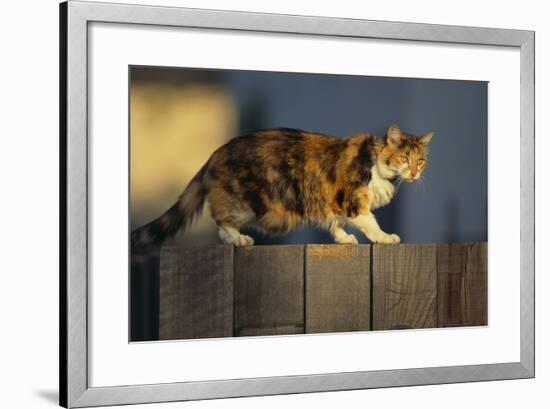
{"x": 230, "y": 235}
{"x": 340, "y": 236}
{"x": 380, "y": 190}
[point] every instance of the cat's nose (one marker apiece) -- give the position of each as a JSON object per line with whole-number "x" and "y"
{"x": 413, "y": 173}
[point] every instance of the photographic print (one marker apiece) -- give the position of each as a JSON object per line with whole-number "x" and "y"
{"x": 265, "y": 186}
{"x": 278, "y": 203}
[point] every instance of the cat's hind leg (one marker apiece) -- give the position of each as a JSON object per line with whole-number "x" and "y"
{"x": 231, "y": 235}
{"x": 230, "y": 216}
{"x": 228, "y": 228}
{"x": 340, "y": 235}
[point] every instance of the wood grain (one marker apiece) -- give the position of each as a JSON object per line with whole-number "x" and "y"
{"x": 404, "y": 286}
{"x": 269, "y": 290}
{"x": 196, "y": 292}
{"x": 462, "y": 284}
{"x": 337, "y": 288}
{"x": 219, "y": 291}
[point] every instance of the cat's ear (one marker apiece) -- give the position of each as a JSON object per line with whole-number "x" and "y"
{"x": 395, "y": 135}
{"x": 425, "y": 139}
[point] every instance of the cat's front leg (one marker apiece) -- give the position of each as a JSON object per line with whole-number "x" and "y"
{"x": 340, "y": 235}
{"x": 369, "y": 226}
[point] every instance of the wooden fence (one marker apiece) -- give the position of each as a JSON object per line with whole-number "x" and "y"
{"x": 222, "y": 291}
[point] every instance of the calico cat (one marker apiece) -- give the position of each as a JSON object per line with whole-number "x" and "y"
{"x": 278, "y": 179}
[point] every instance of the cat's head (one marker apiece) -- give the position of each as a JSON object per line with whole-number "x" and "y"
{"x": 403, "y": 154}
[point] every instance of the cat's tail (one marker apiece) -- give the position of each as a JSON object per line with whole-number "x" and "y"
{"x": 182, "y": 213}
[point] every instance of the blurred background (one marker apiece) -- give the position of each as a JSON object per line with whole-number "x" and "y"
{"x": 178, "y": 117}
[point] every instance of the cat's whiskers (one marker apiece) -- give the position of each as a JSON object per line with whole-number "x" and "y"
{"x": 421, "y": 185}
{"x": 398, "y": 184}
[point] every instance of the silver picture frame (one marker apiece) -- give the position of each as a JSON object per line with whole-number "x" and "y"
{"x": 75, "y": 16}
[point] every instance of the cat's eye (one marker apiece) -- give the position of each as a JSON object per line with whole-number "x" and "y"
{"x": 421, "y": 161}
{"x": 403, "y": 158}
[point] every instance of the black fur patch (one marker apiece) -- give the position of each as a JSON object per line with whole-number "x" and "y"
{"x": 291, "y": 169}
{"x": 361, "y": 165}
{"x": 255, "y": 202}
{"x": 328, "y": 164}
{"x": 292, "y": 133}
{"x": 340, "y": 198}
{"x": 228, "y": 187}
{"x": 214, "y": 173}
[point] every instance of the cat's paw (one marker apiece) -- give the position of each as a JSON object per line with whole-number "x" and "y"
{"x": 395, "y": 238}
{"x": 347, "y": 239}
{"x": 245, "y": 240}
{"x": 389, "y": 239}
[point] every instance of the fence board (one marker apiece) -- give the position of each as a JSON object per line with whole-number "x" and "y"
{"x": 196, "y": 292}
{"x": 337, "y": 288}
{"x": 462, "y": 284}
{"x": 144, "y": 295}
{"x": 269, "y": 290}
{"x": 404, "y": 286}
{"x": 219, "y": 291}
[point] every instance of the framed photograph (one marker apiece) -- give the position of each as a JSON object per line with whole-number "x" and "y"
{"x": 259, "y": 204}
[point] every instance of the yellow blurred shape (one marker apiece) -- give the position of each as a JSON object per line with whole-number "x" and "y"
{"x": 174, "y": 128}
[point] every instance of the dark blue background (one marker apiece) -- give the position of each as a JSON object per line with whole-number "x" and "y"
{"x": 450, "y": 203}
